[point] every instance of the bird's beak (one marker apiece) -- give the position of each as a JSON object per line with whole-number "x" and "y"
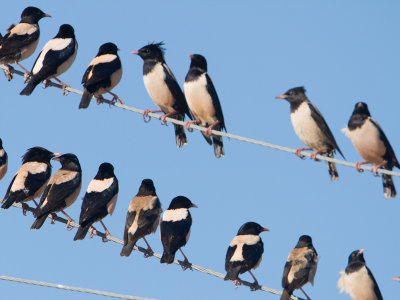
{"x": 194, "y": 205}
{"x": 280, "y": 97}
{"x": 118, "y": 49}
{"x": 135, "y": 52}
{"x": 265, "y": 229}
{"x": 359, "y": 105}
{"x": 191, "y": 56}
{"x": 56, "y": 154}
{"x": 47, "y": 16}
{"x": 361, "y": 251}
{"x": 396, "y": 278}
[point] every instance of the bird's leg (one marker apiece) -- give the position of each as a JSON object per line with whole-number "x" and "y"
{"x": 64, "y": 86}
{"x": 69, "y": 227}
{"x": 185, "y": 264}
{"x": 375, "y": 168}
{"x": 254, "y": 286}
{"x": 8, "y": 72}
{"x": 358, "y": 164}
{"x": 314, "y": 154}
{"x": 52, "y": 218}
{"x": 37, "y": 205}
{"x": 99, "y": 99}
{"x": 146, "y": 116}
{"x": 208, "y": 130}
{"x": 104, "y": 239}
{"x": 46, "y": 83}
{"x": 91, "y": 231}
{"x": 308, "y": 298}
{"x": 24, "y": 208}
{"x": 26, "y": 72}
{"x": 163, "y": 117}
{"x": 237, "y": 282}
{"x": 115, "y": 98}
{"x": 149, "y": 252}
{"x": 300, "y": 150}
{"x": 187, "y": 124}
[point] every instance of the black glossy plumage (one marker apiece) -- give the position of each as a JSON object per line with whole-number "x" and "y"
{"x": 142, "y": 217}
{"x": 95, "y": 204}
{"x": 98, "y": 74}
{"x": 62, "y": 190}
{"x": 33, "y": 181}
{"x": 153, "y": 55}
{"x": 245, "y": 250}
{"x": 3, "y": 161}
{"x": 300, "y": 267}
{"x": 175, "y": 233}
{"x": 53, "y": 58}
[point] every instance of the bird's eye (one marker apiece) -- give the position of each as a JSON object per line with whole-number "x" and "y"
{"x": 146, "y": 51}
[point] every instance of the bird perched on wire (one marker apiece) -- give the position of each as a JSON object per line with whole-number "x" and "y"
{"x": 300, "y": 267}
{"x": 175, "y": 229}
{"x": 21, "y": 40}
{"x": 245, "y": 253}
{"x": 3, "y": 160}
{"x": 372, "y": 144}
{"x": 311, "y": 128}
{"x": 357, "y": 279}
{"x": 102, "y": 75}
{"x": 55, "y": 58}
{"x": 142, "y": 218}
{"x": 99, "y": 201}
{"x": 30, "y": 180}
{"x": 163, "y": 88}
{"x": 203, "y": 102}
{"x": 61, "y": 191}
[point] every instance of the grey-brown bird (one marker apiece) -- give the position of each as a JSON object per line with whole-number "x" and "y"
{"x": 372, "y": 144}
{"x": 357, "y": 280}
{"x": 300, "y": 267}
{"x": 3, "y": 161}
{"x": 61, "y": 191}
{"x": 21, "y": 40}
{"x": 142, "y": 218}
{"x": 311, "y": 128}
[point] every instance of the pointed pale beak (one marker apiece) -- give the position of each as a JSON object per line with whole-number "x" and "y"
{"x": 280, "y": 97}
{"x": 191, "y": 56}
{"x": 396, "y": 278}
{"x": 265, "y": 229}
{"x": 56, "y": 154}
{"x": 47, "y": 15}
{"x": 135, "y": 52}
{"x": 194, "y": 205}
{"x": 361, "y": 251}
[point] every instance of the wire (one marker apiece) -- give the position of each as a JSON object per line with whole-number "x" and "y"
{"x": 71, "y": 288}
{"x": 158, "y": 255}
{"x": 220, "y": 133}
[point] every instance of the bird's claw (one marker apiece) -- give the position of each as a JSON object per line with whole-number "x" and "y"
{"x": 24, "y": 208}
{"x": 26, "y": 77}
{"x": 116, "y": 99}
{"x": 298, "y": 154}
{"x": 254, "y": 287}
{"x": 52, "y": 217}
{"x": 104, "y": 239}
{"x": 314, "y": 156}
{"x": 146, "y": 117}
{"x": 65, "y": 92}
{"x": 187, "y": 124}
{"x": 163, "y": 121}
{"x": 357, "y": 166}
{"x": 186, "y": 265}
{"x": 237, "y": 283}
{"x": 148, "y": 252}
{"x": 99, "y": 100}
{"x": 91, "y": 231}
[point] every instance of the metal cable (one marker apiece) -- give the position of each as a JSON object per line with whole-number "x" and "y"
{"x": 220, "y": 133}
{"x": 157, "y": 255}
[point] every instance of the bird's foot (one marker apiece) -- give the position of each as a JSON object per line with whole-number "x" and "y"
{"x": 148, "y": 252}
{"x": 186, "y": 265}
{"x": 187, "y": 124}
{"x": 104, "y": 238}
{"x": 69, "y": 226}
{"x": 52, "y": 218}
{"x": 314, "y": 156}
{"x": 26, "y": 77}
{"x": 91, "y": 231}
{"x": 116, "y": 99}
{"x": 358, "y": 165}
{"x": 24, "y": 208}
{"x": 209, "y": 128}
{"x": 374, "y": 169}
{"x": 46, "y": 83}
{"x": 298, "y": 152}
{"x": 99, "y": 99}
{"x": 237, "y": 283}
{"x": 146, "y": 117}
{"x": 254, "y": 286}
{"x": 65, "y": 92}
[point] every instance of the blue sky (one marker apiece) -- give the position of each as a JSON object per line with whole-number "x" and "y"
{"x": 341, "y": 51}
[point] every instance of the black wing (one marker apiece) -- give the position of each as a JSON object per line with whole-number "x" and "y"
{"x": 56, "y": 195}
{"x": 286, "y": 270}
{"x": 130, "y": 217}
{"x": 100, "y": 75}
{"x": 173, "y": 234}
{"x": 229, "y": 254}
{"x": 53, "y": 59}
{"x": 376, "y": 287}
{"x": 11, "y": 43}
{"x": 252, "y": 254}
{"x": 180, "y": 105}
{"x": 319, "y": 119}
{"x": 213, "y": 93}
{"x": 389, "y": 154}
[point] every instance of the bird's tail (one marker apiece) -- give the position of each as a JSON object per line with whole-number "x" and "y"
{"x": 82, "y": 231}
{"x": 39, "y": 221}
{"x": 127, "y": 249}
{"x": 233, "y": 273}
{"x": 167, "y": 258}
{"x": 85, "y": 101}
{"x": 333, "y": 173}
{"x": 33, "y": 82}
{"x": 286, "y": 294}
{"x": 388, "y": 186}
{"x": 218, "y": 146}
{"x": 7, "y": 203}
{"x": 180, "y": 135}
{"x": 207, "y": 137}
